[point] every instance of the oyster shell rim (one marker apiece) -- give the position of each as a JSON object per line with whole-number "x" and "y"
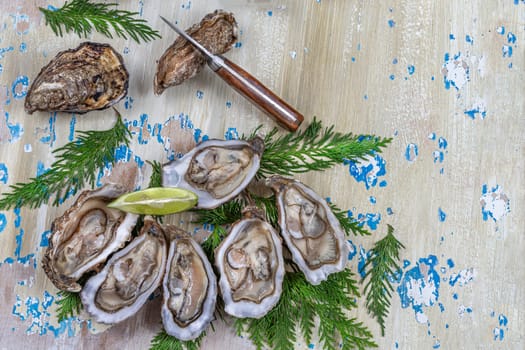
{"x": 202, "y": 322}
{"x": 178, "y": 179}
{"x": 320, "y": 274}
{"x": 254, "y": 310}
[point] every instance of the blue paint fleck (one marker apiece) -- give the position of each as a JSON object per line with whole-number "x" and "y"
{"x": 391, "y": 23}
{"x": 438, "y": 156}
{"x": 311, "y": 346}
{"x": 365, "y": 97}
{"x": 15, "y": 130}
{"x": 19, "y": 87}
{"x": 450, "y": 263}
{"x": 4, "y": 173}
{"x": 511, "y": 38}
{"x": 494, "y": 203}
{"x": 238, "y": 44}
{"x": 72, "y": 124}
{"x": 389, "y": 211}
{"x": 455, "y": 296}
{"x": 368, "y": 170}
{"x": 392, "y": 77}
{"x": 1, "y": 69}
{"x": 3, "y": 222}
{"x": 432, "y": 136}
{"x": 128, "y": 102}
{"x": 502, "y": 319}
{"x": 383, "y": 183}
{"x": 372, "y": 220}
{"x": 406, "y": 263}
{"x": 478, "y": 110}
{"x": 442, "y": 143}
{"x": 44, "y": 238}
{"x": 4, "y": 50}
{"x": 270, "y": 13}
{"x": 500, "y": 30}
{"x": 456, "y": 71}
{"x": 411, "y": 152}
{"x": 199, "y": 94}
{"x": 231, "y": 134}
{"x": 40, "y": 168}
{"x": 363, "y": 257}
{"x": 394, "y": 61}
{"x": 411, "y": 69}
{"x": 373, "y": 200}
{"x": 436, "y": 345}
{"x": 228, "y": 104}
{"x": 23, "y": 47}
{"x": 442, "y": 215}
{"x": 469, "y": 39}
{"x": 352, "y": 250}
{"x": 353, "y": 59}
{"x": 507, "y": 51}
{"x": 451, "y": 37}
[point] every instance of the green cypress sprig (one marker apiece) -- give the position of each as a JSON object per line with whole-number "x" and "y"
{"x": 301, "y": 303}
{"x": 382, "y": 264}
{"x": 164, "y": 341}
{"x": 82, "y": 16}
{"x": 69, "y": 305}
{"x": 314, "y": 149}
{"x": 77, "y": 163}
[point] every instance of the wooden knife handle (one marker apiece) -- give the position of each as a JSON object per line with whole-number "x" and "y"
{"x": 260, "y": 95}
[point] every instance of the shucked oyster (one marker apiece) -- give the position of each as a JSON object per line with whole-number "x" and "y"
{"x": 310, "y": 229}
{"x": 250, "y": 262}
{"x": 79, "y": 80}
{"x": 128, "y": 279}
{"x": 189, "y": 287}
{"x": 215, "y": 170}
{"x": 85, "y": 235}
{"x": 217, "y": 32}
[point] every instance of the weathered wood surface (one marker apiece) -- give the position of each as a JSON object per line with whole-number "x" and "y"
{"x": 445, "y": 79}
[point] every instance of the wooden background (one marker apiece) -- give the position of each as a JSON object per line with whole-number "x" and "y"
{"x": 445, "y": 79}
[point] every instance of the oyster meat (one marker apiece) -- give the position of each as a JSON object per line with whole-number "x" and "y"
{"x": 217, "y": 32}
{"x": 310, "y": 229}
{"x": 128, "y": 279}
{"x": 215, "y": 170}
{"x": 189, "y": 287}
{"x": 251, "y": 266}
{"x": 90, "y": 77}
{"x": 85, "y": 235}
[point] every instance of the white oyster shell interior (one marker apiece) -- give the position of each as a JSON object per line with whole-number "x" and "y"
{"x": 215, "y": 170}
{"x": 85, "y": 235}
{"x": 130, "y": 276}
{"x": 310, "y": 229}
{"x": 251, "y": 266}
{"x": 189, "y": 288}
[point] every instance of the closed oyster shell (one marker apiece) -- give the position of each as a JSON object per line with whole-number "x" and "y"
{"x": 189, "y": 287}
{"x": 85, "y": 235}
{"x": 251, "y": 266}
{"x": 215, "y": 170}
{"x": 217, "y": 32}
{"x": 90, "y": 77}
{"x": 128, "y": 279}
{"x": 310, "y": 229}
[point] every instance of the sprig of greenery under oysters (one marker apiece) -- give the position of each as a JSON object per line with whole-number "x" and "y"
{"x": 314, "y": 148}
{"x": 82, "y": 16}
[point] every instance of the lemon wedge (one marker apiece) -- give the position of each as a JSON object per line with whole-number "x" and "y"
{"x": 156, "y": 201}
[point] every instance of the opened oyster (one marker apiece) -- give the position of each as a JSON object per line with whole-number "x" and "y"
{"x": 217, "y": 32}
{"x": 250, "y": 262}
{"x": 79, "y": 80}
{"x": 189, "y": 287}
{"x": 215, "y": 170}
{"x": 310, "y": 229}
{"x": 85, "y": 235}
{"x": 128, "y": 279}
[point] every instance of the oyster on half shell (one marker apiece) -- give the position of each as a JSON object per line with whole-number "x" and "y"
{"x": 125, "y": 283}
{"x": 215, "y": 170}
{"x": 90, "y": 77}
{"x": 251, "y": 266}
{"x": 189, "y": 287}
{"x": 85, "y": 235}
{"x": 310, "y": 229}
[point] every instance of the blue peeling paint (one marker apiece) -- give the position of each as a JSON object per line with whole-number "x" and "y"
{"x": 507, "y": 51}
{"x": 442, "y": 215}
{"x": 51, "y": 137}
{"x": 19, "y": 87}
{"x": 15, "y": 130}
{"x": 368, "y": 170}
{"x": 4, "y": 50}
{"x": 456, "y": 71}
{"x": 128, "y": 102}
{"x": 494, "y": 203}
{"x": 363, "y": 257}
{"x": 391, "y": 23}
{"x": 472, "y": 113}
{"x": 500, "y": 30}
{"x": 269, "y": 13}
{"x": 411, "y": 69}
{"x": 44, "y": 238}
{"x": 511, "y": 38}
{"x": 72, "y": 124}
{"x": 4, "y": 173}
{"x": 450, "y": 263}
{"x": 442, "y": 143}
{"x": 469, "y": 39}
{"x": 451, "y": 37}
{"x": 228, "y": 104}
{"x": 352, "y": 250}
{"x": 3, "y": 222}
{"x": 199, "y": 94}
{"x": 411, "y": 152}
{"x": 231, "y": 134}
{"x": 394, "y": 61}
{"x": 373, "y": 199}
{"x": 392, "y": 77}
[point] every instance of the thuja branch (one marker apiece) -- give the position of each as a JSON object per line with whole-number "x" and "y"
{"x": 315, "y": 148}
{"x": 299, "y": 306}
{"x": 164, "y": 341}
{"x": 69, "y": 305}
{"x": 382, "y": 264}
{"x": 82, "y": 16}
{"x": 77, "y": 163}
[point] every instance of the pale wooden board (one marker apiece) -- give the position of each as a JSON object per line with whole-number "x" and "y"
{"x": 334, "y": 60}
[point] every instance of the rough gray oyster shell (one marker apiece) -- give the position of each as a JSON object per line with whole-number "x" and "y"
{"x": 217, "y": 32}
{"x": 189, "y": 287}
{"x": 125, "y": 283}
{"x": 215, "y": 170}
{"x": 85, "y": 235}
{"x": 251, "y": 266}
{"x": 310, "y": 229}
{"x": 90, "y": 77}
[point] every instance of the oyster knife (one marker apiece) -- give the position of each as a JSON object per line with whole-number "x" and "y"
{"x": 247, "y": 85}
